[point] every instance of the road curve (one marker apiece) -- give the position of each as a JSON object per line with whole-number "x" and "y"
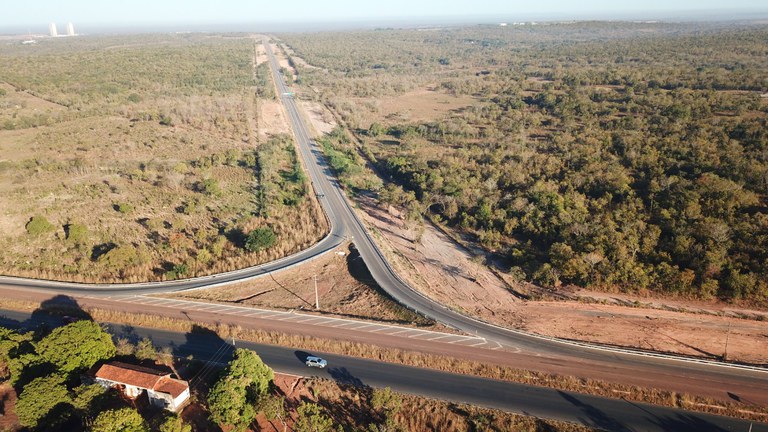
{"x": 345, "y": 224}
{"x": 338, "y": 209}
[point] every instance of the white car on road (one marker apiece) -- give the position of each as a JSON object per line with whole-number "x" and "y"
{"x": 313, "y": 361}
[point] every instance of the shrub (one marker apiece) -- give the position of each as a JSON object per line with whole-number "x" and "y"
{"x": 259, "y": 239}
{"x": 120, "y": 257}
{"x": 166, "y": 120}
{"x": 209, "y": 187}
{"x": 76, "y": 233}
{"x": 123, "y": 207}
{"x": 38, "y": 225}
{"x": 178, "y": 271}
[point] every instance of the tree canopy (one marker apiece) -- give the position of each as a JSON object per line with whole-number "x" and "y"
{"x": 234, "y": 397}
{"x": 76, "y": 346}
{"x": 615, "y": 160}
{"x": 120, "y": 420}
{"x": 44, "y": 402}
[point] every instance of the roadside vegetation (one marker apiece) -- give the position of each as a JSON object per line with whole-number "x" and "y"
{"x": 46, "y": 371}
{"x": 137, "y": 158}
{"x": 616, "y": 156}
{"x": 225, "y": 331}
{"x": 45, "y": 388}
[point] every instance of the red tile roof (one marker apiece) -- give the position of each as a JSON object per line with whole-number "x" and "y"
{"x": 142, "y": 377}
{"x": 171, "y": 386}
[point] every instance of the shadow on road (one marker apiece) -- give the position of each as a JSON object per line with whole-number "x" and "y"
{"x": 594, "y": 416}
{"x": 60, "y": 309}
{"x": 678, "y": 422}
{"x": 302, "y": 355}
{"x": 343, "y": 376}
{"x": 685, "y": 423}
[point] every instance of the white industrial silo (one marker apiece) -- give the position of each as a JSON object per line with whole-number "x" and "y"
{"x": 70, "y": 29}
{"x": 52, "y": 29}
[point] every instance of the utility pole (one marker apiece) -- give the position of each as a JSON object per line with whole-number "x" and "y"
{"x": 727, "y": 336}
{"x": 317, "y": 297}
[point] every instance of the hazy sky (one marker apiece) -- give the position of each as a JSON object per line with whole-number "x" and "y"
{"x": 17, "y": 13}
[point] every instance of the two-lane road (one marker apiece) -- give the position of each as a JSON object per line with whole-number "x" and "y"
{"x": 639, "y": 369}
{"x": 598, "y": 412}
{"x": 338, "y": 208}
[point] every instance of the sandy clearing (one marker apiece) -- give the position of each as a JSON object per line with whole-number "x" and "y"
{"x": 345, "y": 289}
{"x": 272, "y": 119}
{"x": 321, "y": 119}
{"x": 438, "y": 268}
{"x": 416, "y": 106}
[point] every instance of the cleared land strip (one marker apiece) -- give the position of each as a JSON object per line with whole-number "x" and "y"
{"x": 313, "y": 320}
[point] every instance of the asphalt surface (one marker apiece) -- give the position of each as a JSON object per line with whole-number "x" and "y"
{"x": 339, "y": 210}
{"x": 598, "y": 412}
{"x": 345, "y": 224}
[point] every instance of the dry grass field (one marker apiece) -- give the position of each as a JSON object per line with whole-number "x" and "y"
{"x": 344, "y": 285}
{"x": 143, "y": 158}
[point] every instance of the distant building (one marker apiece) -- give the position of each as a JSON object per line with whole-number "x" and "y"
{"x": 70, "y": 29}
{"x": 52, "y": 29}
{"x": 132, "y": 380}
{"x": 29, "y": 42}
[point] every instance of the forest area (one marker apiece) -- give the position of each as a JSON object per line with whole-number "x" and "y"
{"x": 618, "y": 156}
{"x": 144, "y": 157}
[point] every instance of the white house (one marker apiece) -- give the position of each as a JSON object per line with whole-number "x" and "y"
{"x": 162, "y": 390}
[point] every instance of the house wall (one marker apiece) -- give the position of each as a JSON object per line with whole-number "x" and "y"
{"x": 181, "y": 399}
{"x": 129, "y": 390}
{"x": 161, "y": 400}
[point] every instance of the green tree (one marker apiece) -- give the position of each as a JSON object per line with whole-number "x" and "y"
{"x": 233, "y": 398}
{"x": 145, "y": 350}
{"x": 89, "y": 400}
{"x": 388, "y": 404}
{"x": 312, "y": 419}
{"x": 174, "y": 423}
{"x": 44, "y": 402}
{"x": 26, "y": 366}
{"x": 120, "y": 420}
{"x": 259, "y": 239}
{"x": 273, "y": 407}
{"x": 209, "y": 186}
{"x": 76, "y": 346}
{"x": 38, "y": 225}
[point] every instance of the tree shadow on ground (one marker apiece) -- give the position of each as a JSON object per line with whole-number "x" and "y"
{"x": 60, "y": 309}
{"x": 101, "y": 249}
{"x": 342, "y": 375}
{"x": 678, "y": 422}
{"x": 237, "y": 237}
{"x": 594, "y": 416}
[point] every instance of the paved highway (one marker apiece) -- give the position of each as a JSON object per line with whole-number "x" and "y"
{"x": 603, "y": 413}
{"x": 345, "y": 223}
{"x": 338, "y": 208}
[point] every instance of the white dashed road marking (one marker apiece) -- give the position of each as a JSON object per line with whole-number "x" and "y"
{"x": 299, "y": 317}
